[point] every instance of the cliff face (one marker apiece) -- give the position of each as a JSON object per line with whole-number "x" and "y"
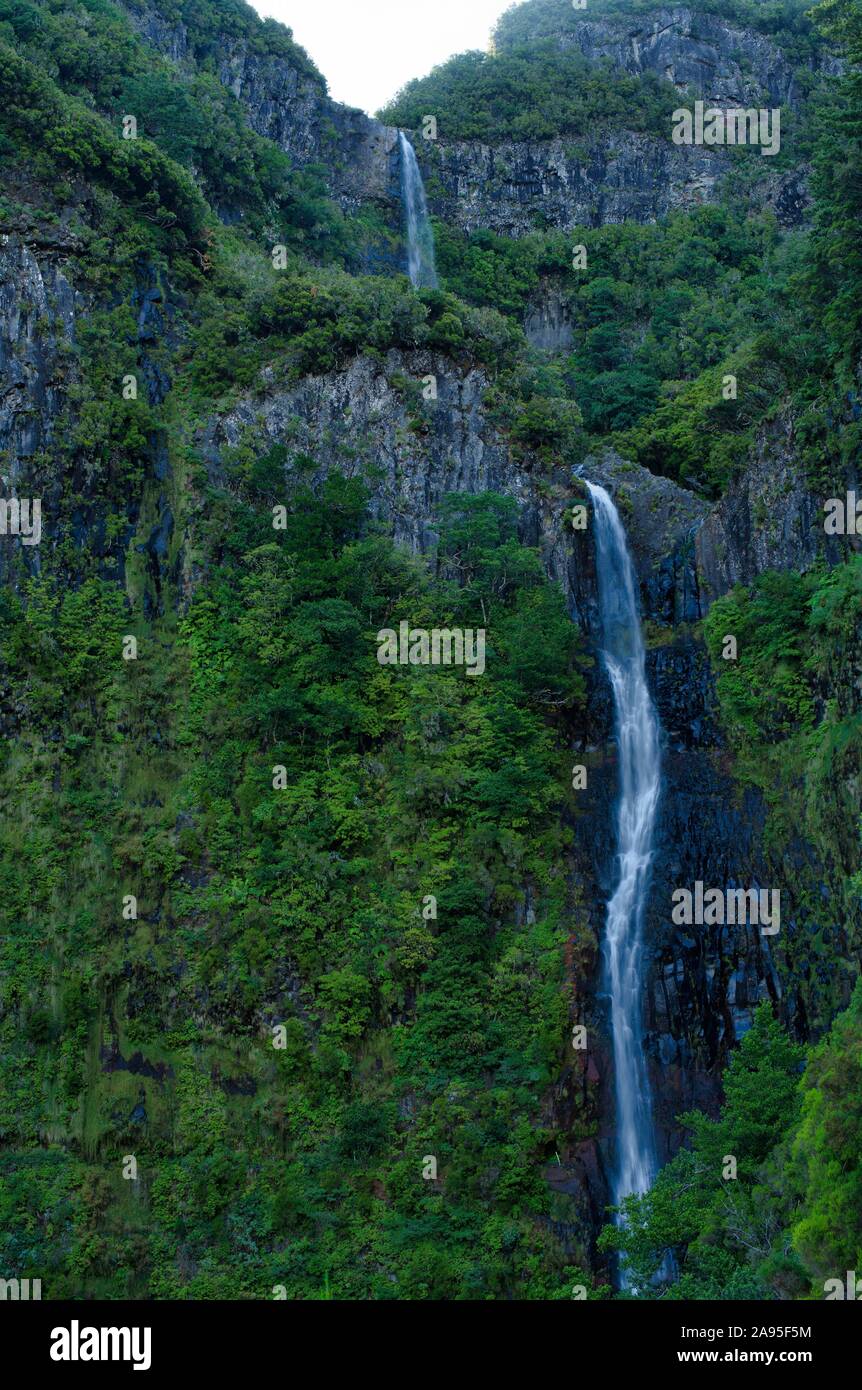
{"x": 38, "y": 312}
{"x": 662, "y": 521}
{"x": 39, "y": 309}
{"x": 514, "y": 187}
{"x": 703, "y": 983}
{"x": 42, "y": 313}
{"x": 370, "y": 421}
{"x": 367, "y": 421}
{"x": 290, "y": 106}
{"x": 771, "y": 517}
{"x": 719, "y": 61}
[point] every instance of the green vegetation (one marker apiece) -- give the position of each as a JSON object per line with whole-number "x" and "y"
{"x": 69, "y": 75}
{"x": 660, "y": 316}
{"x": 307, "y": 321}
{"x": 788, "y": 20}
{"x": 531, "y": 93}
{"x": 836, "y": 276}
{"x": 254, "y": 833}
{"x": 799, "y": 637}
{"x": 766, "y": 1202}
{"x": 536, "y": 84}
{"x": 300, "y": 907}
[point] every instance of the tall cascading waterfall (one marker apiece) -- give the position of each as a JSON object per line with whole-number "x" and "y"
{"x": 638, "y": 732}
{"x": 421, "y": 264}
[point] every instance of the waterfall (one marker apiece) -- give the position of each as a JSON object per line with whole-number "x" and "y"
{"x": 637, "y": 730}
{"x": 420, "y": 238}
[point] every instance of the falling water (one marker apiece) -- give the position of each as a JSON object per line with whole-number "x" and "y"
{"x": 420, "y": 238}
{"x": 640, "y": 785}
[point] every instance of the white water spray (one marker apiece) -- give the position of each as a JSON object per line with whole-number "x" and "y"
{"x": 420, "y": 236}
{"x": 640, "y": 786}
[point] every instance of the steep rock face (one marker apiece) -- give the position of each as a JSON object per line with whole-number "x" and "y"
{"x": 701, "y": 983}
{"x": 360, "y": 154}
{"x": 510, "y": 188}
{"x": 38, "y": 308}
{"x": 42, "y": 311}
{"x": 661, "y": 521}
{"x": 720, "y": 61}
{"x": 704, "y": 981}
{"x": 513, "y": 188}
{"x": 290, "y": 106}
{"x": 370, "y": 421}
{"x": 624, "y": 176}
{"x": 38, "y": 312}
{"x": 367, "y": 421}
{"x": 547, "y": 324}
{"x": 770, "y": 518}
{"x": 681, "y": 681}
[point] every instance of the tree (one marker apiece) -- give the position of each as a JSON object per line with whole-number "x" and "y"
{"x": 826, "y": 1164}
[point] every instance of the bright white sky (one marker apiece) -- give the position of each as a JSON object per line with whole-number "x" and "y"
{"x": 368, "y": 49}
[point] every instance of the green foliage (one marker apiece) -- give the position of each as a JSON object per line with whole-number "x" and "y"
{"x": 407, "y": 1034}
{"x": 65, "y": 134}
{"x": 209, "y": 22}
{"x": 535, "y": 20}
{"x": 765, "y": 694}
{"x": 314, "y": 321}
{"x": 826, "y": 1153}
{"x": 793, "y": 632}
{"x": 660, "y": 316}
{"x": 531, "y": 93}
{"x": 722, "y": 1231}
{"x": 799, "y": 637}
{"x": 400, "y": 783}
{"x": 834, "y": 283}
{"x": 184, "y": 118}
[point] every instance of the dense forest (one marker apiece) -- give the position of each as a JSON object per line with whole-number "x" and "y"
{"x": 292, "y": 942}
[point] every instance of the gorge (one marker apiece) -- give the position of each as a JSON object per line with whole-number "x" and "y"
{"x": 254, "y": 465}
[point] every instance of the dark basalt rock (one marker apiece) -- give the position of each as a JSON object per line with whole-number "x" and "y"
{"x": 682, "y": 685}
{"x": 515, "y": 187}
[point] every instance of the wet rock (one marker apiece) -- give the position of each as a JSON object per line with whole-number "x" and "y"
{"x": 661, "y": 521}
{"x": 512, "y": 188}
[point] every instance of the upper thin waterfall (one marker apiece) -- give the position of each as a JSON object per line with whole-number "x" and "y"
{"x": 420, "y": 237}
{"x": 637, "y": 730}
